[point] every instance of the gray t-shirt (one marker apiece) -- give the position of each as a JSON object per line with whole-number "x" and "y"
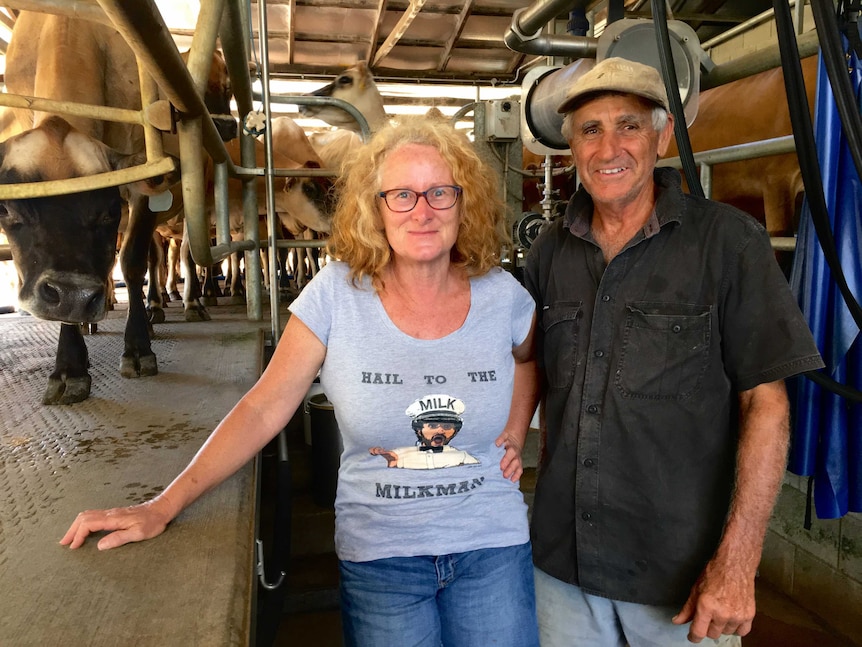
{"x": 396, "y": 498}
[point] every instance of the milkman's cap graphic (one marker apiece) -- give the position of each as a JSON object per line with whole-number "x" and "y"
{"x": 436, "y": 408}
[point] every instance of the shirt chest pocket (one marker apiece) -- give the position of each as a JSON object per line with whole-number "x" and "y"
{"x": 665, "y": 350}
{"x": 560, "y": 348}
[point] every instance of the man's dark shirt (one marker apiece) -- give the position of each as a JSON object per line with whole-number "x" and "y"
{"x": 643, "y": 361}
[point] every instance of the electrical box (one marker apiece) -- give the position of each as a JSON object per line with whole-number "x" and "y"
{"x": 502, "y": 119}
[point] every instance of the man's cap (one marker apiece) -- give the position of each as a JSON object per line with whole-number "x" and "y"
{"x": 618, "y": 75}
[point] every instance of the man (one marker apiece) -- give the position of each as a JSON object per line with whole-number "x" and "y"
{"x": 667, "y": 330}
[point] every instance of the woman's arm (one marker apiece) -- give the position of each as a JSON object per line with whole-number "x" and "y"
{"x": 248, "y": 427}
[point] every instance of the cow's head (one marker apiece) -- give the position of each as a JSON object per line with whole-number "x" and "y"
{"x": 63, "y": 246}
{"x": 355, "y": 86}
{"x": 307, "y": 202}
{"x": 218, "y": 95}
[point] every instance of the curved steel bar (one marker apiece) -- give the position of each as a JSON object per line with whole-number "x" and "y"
{"x": 68, "y": 108}
{"x": 87, "y": 183}
{"x": 144, "y": 29}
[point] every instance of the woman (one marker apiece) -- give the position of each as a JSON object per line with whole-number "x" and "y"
{"x": 424, "y": 347}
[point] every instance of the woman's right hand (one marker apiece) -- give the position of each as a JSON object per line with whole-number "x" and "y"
{"x": 124, "y": 525}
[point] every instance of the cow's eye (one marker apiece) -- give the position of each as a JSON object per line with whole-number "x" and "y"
{"x": 345, "y": 79}
{"x": 311, "y": 190}
{"x": 10, "y": 220}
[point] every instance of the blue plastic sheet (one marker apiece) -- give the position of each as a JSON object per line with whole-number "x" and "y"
{"x": 827, "y": 430}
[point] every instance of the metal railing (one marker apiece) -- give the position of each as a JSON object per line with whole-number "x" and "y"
{"x": 739, "y": 152}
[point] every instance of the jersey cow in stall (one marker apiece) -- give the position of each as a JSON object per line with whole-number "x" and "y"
{"x": 356, "y": 86}
{"x": 64, "y": 246}
{"x": 301, "y": 204}
{"x": 749, "y": 110}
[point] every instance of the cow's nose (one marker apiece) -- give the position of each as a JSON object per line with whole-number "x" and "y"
{"x": 225, "y": 126}
{"x": 72, "y": 299}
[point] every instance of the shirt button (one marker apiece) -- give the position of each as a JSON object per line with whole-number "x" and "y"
{"x": 605, "y": 298}
{"x": 676, "y": 328}
{"x": 600, "y": 353}
{"x": 592, "y": 409}
{"x": 586, "y": 516}
{"x": 588, "y": 462}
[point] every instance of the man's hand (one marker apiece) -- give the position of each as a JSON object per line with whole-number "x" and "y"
{"x": 511, "y": 464}
{"x": 720, "y": 602}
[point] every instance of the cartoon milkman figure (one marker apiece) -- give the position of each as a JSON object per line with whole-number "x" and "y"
{"x": 435, "y": 420}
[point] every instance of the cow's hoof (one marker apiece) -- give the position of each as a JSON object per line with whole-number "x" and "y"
{"x": 209, "y": 301}
{"x": 68, "y": 391}
{"x": 133, "y": 366}
{"x": 197, "y": 313}
{"x": 156, "y": 315}
{"x": 148, "y": 365}
{"x": 176, "y": 296}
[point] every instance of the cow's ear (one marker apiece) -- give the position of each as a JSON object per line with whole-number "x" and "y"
{"x": 150, "y": 186}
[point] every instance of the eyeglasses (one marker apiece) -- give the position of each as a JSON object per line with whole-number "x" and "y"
{"x": 437, "y": 197}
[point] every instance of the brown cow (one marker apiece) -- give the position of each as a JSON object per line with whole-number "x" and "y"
{"x": 355, "y": 86}
{"x": 748, "y": 110}
{"x": 302, "y": 204}
{"x": 64, "y": 246}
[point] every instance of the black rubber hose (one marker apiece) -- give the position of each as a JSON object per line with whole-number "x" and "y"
{"x": 683, "y": 142}
{"x": 828, "y": 34}
{"x": 806, "y": 150}
{"x": 803, "y": 135}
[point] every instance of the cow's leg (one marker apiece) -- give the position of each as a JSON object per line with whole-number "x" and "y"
{"x": 173, "y": 270}
{"x": 155, "y": 263}
{"x": 194, "y": 310}
{"x": 70, "y": 381}
{"x": 237, "y": 289}
{"x": 138, "y": 359}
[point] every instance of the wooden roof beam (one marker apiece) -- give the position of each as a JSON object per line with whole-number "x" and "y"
{"x": 456, "y": 34}
{"x": 403, "y": 25}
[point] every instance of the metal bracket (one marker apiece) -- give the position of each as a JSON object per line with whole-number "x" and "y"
{"x": 261, "y": 572}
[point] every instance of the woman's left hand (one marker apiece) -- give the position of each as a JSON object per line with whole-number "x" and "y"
{"x": 511, "y": 464}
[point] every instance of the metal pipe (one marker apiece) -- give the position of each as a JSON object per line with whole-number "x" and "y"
{"x": 308, "y": 100}
{"x": 269, "y": 177}
{"x": 120, "y": 115}
{"x": 532, "y": 19}
{"x": 233, "y": 34}
{"x": 199, "y": 64}
{"x": 192, "y": 164}
{"x": 87, "y": 183}
{"x": 524, "y": 33}
{"x": 222, "y": 211}
{"x": 149, "y": 95}
{"x": 144, "y": 30}
{"x": 254, "y": 291}
{"x": 774, "y": 146}
{"x": 742, "y": 27}
{"x": 759, "y": 61}
{"x": 306, "y": 244}
{"x": 222, "y": 251}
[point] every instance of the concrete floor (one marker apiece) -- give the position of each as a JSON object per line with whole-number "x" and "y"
{"x": 122, "y": 446}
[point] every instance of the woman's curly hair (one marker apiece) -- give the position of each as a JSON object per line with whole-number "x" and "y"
{"x": 358, "y": 237}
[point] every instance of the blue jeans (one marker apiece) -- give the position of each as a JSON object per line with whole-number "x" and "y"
{"x": 570, "y": 617}
{"x": 474, "y": 599}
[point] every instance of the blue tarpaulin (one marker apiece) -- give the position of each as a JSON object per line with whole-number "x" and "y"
{"x": 827, "y": 429}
